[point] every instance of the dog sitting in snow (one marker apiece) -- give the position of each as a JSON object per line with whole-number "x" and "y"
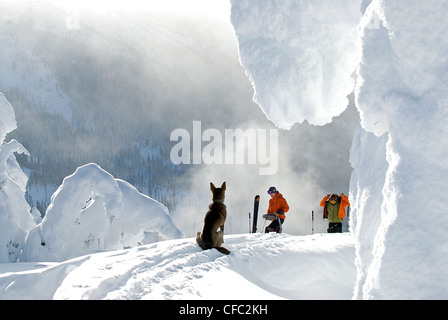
{"x": 211, "y": 237}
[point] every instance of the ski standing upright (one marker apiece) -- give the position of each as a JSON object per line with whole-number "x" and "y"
{"x": 255, "y": 219}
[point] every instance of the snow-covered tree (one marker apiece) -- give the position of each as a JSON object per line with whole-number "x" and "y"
{"x": 92, "y": 211}
{"x": 15, "y": 218}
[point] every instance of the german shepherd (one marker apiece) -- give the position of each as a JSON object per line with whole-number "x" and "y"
{"x": 211, "y": 237}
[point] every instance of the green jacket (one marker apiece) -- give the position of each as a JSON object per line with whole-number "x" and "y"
{"x": 333, "y": 210}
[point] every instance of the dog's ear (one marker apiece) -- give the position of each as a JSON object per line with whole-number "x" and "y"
{"x": 223, "y": 187}
{"x": 212, "y": 187}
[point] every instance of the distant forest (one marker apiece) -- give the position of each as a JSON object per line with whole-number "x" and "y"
{"x": 57, "y": 148}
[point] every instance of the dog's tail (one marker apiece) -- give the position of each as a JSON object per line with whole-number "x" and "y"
{"x": 222, "y": 250}
{"x": 206, "y": 246}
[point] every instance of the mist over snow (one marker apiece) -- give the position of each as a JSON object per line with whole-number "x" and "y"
{"x": 92, "y": 207}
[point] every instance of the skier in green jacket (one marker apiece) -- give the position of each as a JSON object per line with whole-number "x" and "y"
{"x": 334, "y": 209}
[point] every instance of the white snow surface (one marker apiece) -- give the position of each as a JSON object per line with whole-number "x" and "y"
{"x": 261, "y": 266}
{"x": 400, "y": 151}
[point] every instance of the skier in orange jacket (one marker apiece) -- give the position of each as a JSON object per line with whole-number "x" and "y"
{"x": 276, "y": 211}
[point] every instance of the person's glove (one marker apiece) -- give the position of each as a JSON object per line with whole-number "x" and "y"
{"x": 270, "y": 216}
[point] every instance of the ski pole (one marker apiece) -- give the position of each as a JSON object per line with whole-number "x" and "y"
{"x": 312, "y": 222}
{"x": 249, "y": 222}
{"x": 264, "y": 224}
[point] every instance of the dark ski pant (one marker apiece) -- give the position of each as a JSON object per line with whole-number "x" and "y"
{"x": 334, "y": 228}
{"x": 275, "y": 226}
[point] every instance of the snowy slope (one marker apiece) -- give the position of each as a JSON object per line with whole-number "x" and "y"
{"x": 261, "y": 266}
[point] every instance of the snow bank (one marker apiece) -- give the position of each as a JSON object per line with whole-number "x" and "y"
{"x": 261, "y": 266}
{"x": 15, "y": 218}
{"x": 299, "y": 56}
{"x": 91, "y": 211}
{"x": 400, "y": 150}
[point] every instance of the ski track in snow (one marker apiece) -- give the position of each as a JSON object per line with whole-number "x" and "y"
{"x": 261, "y": 266}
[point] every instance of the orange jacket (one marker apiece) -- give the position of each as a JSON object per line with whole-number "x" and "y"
{"x": 277, "y": 203}
{"x": 344, "y": 204}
